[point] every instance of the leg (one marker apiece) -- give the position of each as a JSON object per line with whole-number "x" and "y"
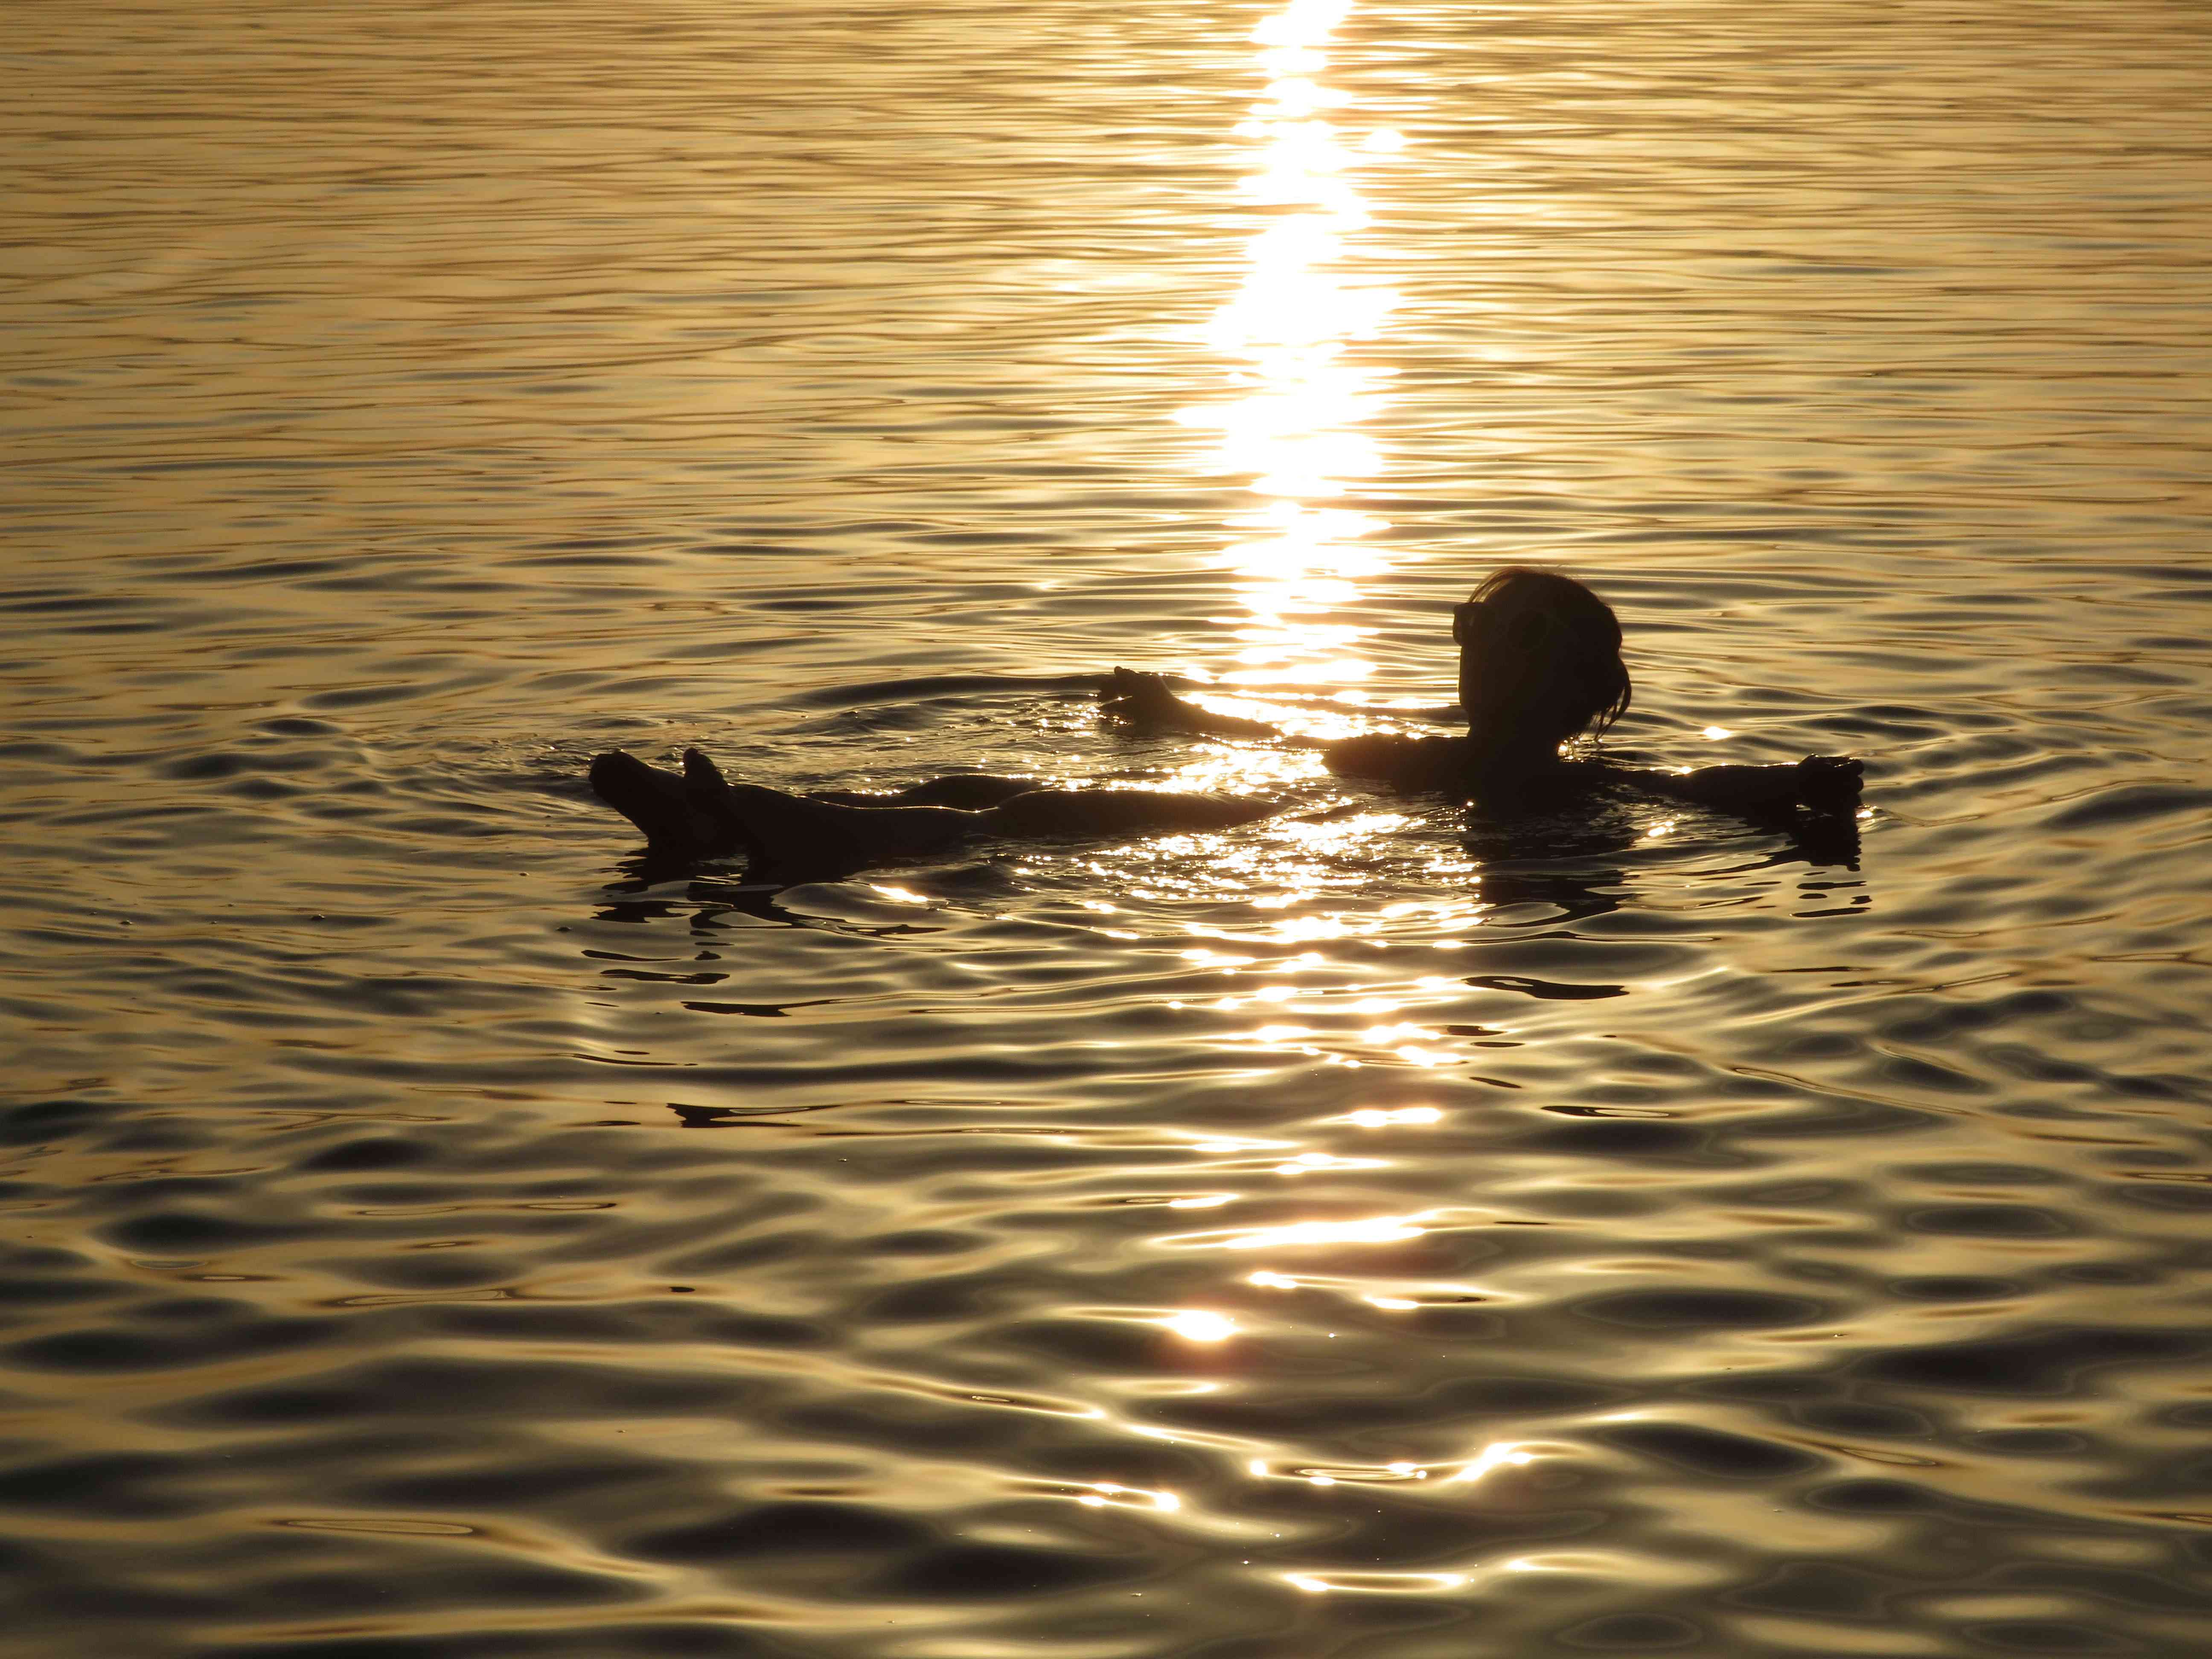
{"x": 701, "y": 815}
{"x": 970, "y": 792}
{"x": 791, "y": 832}
{"x": 1121, "y": 812}
{"x": 675, "y": 826}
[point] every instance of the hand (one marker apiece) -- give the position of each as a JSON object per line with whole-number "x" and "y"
{"x": 1829, "y": 783}
{"x": 1142, "y": 699}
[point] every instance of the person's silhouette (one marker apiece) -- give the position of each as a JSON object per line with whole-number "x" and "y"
{"x": 1540, "y": 664}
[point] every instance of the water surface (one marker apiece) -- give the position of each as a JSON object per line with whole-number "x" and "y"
{"x": 1390, "y": 1236}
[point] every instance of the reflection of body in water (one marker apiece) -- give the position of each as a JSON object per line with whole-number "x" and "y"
{"x": 1540, "y": 664}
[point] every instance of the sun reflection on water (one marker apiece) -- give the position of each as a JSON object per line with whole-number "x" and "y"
{"x": 1294, "y": 427}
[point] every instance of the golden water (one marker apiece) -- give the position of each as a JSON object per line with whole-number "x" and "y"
{"x": 1394, "y": 1236}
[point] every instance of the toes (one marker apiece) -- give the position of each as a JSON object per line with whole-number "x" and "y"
{"x": 615, "y": 768}
{"x": 698, "y": 769}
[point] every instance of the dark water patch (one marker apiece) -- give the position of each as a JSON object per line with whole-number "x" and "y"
{"x": 405, "y": 1389}
{"x": 784, "y": 1528}
{"x": 2045, "y": 1363}
{"x": 605, "y": 1639}
{"x": 630, "y": 1322}
{"x": 112, "y": 1486}
{"x": 993, "y": 1571}
{"x": 2164, "y": 1191}
{"x": 1633, "y": 1632}
{"x": 952, "y": 687}
{"x": 180, "y": 1334}
{"x": 1874, "y": 1498}
{"x": 179, "y": 1231}
{"x": 484, "y": 1583}
{"x": 2128, "y": 805}
{"x": 1700, "y": 1310}
{"x": 42, "y": 1123}
{"x": 1953, "y": 1287}
{"x": 2031, "y": 1442}
{"x": 1988, "y": 1221}
{"x": 257, "y": 570}
{"x": 29, "y": 1293}
{"x": 1823, "y": 1589}
{"x": 193, "y": 768}
{"x": 964, "y": 1296}
{"x": 2046, "y": 1635}
{"x": 2120, "y": 1587}
{"x": 1620, "y": 1136}
{"x": 438, "y": 1266}
{"x": 920, "y": 1242}
{"x": 1710, "y": 1451}
{"x": 1980, "y": 1175}
{"x": 495, "y": 1487}
{"x": 368, "y": 1152}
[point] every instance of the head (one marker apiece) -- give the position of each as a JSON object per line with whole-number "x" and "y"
{"x": 1539, "y": 656}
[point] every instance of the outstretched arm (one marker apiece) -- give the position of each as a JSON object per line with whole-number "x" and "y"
{"x": 1819, "y": 783}
{"x": 1144, "y": 701}
{"x": 1415, "y": 762}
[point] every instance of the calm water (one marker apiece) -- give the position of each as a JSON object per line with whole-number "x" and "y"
{"x": 1390, "y": 1238}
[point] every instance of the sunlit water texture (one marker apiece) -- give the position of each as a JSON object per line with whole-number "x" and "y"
{"x": 1374, "y": 1234}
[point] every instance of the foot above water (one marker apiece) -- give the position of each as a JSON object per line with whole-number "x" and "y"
{"x": 701, "y": 815}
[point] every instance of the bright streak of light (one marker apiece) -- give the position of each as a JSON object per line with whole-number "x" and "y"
{"x": 1494, "y": 1456}
{"x": 1375, "y": 1117}
{"x": 1292, "y": 430}
{"x": 1373, "y": 1229}
{"x": 1308, "y": 1163}
{"x": 1300, "y": 23}
{"x": 900, "y": 895}
{"x": 1376, "y": 1584}
{"x": 1104, "y": 1493}
{"x": 1199, "y": 1326}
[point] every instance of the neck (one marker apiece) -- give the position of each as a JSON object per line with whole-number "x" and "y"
{"x": 1504, "y": 754}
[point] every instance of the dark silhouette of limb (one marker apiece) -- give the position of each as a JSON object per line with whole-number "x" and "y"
{"x": 1051, "y": 812}
{"x": 701, "y": 815}
{"x": 1143, "y": 701}
{"x": 677, "y": 827}
{"x": 790, "y": 832}
{"x": 1820, "y": 785}
{"x": 969, "y": 792}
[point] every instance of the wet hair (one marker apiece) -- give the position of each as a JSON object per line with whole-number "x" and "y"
{"x": 1558, "y": 615}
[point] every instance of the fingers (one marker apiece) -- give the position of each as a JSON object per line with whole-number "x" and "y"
{"x": 1830, "y": 783}
{"x": 1129, "y": 694}
{"x": 1121, "y": 682}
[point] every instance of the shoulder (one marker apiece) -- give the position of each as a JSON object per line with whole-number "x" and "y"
{"x": 1395, "y": 757}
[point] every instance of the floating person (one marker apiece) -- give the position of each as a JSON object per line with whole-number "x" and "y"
{"x": 1540, "y": 664}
